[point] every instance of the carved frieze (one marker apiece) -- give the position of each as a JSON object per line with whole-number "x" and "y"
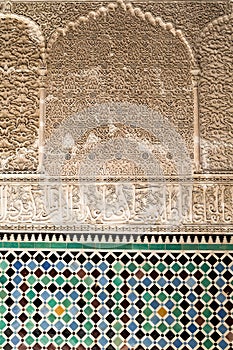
{"x": 126, "y": 204}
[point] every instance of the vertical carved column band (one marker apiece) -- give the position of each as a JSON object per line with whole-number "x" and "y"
{"x": 42, "y": 117}
{"x": 195, "y": 81}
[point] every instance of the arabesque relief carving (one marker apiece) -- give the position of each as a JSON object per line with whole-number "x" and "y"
{"x": 20, "y": 60}
{"x": 216, "y": 103}
{"x": 120, "y": 54}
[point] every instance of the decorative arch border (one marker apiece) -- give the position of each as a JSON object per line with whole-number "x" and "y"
{"x": 134, "y": 12}
{"x": 216, "y": 22}
{"x": 5, "y": 13}
{"x": 32, "y": 25}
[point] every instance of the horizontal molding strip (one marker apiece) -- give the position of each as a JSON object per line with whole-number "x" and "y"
{"x": 112, "y": 246}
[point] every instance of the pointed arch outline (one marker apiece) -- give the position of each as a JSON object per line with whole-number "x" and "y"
{"x": 31, "y": 24}
{"x": 149, "y": 18}
{"x": 134, "y": 12}
{"x": 211, "y": 25}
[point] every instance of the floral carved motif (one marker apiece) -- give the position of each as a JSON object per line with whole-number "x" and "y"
{"x": 118, "y": 54}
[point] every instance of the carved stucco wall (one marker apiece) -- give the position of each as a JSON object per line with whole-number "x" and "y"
{"x": 22, "y": 46}
{"x": 115, "y": 56}
{"x": 137, "y": 96}
{"x": 215, "y": 55}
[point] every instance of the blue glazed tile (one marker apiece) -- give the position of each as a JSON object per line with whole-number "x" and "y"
{"x": 176, "y": 282}
{"x": 59, "y": 325}
{"x": 132, "y": 341}
{"x": 74, "y": 325}
{"x": 132, "y": 282}
{"x": 192, "y": 328}
{"x": 192, "y": 313}
{"x": 132, "y": 311}
{"x": 44, "y": 325}
{"x": 155, "y": 319}
{"x": 103, "y": 266}
{"x": 16, "y": 325}
{"x": 162, "y": 343}
{"x": 46, "y": 265}
{"x": 44, "y": 310}
{"x": 169, "y": 304}
{"x": 191, "y": 282}
{"x": 74, "y": 266}
{"x": 45, "y": 295}
{"x": 15, "y": 340}
{"x": 103, "y": 341}
{"x": 219, "y": 267}
{"x": 59, "y": 295}
{"x": 154, "y": 304}
{"x": 17, "y": 279}
{"x": 132, "y": 297}
{"x": 220, "y": 282}
{"x": 132, "y": 326}
{"x": 147, "y": 342}
{"x": 192, "y": 343}
{"x": 103, "y": 325}
{"x": 60, "y": 265}
{"x": 73, "y": 310}
{"x": 74, "y": 295}
{"x": 222, "y": 344}
{"x": 16, "y": 310}
{"x": 32, "y": 265}
{"x": 221, "y": 297}
{"x": 18, "y": 265}
{"x": 169, "y": 320}
{"x": 222, "y": 313}
{"x": 88, "y": 266}
{"x": 147, "y": 282}
{"x": 177, "y": 343}
{"x": 222, "y": 329}
{"x": 191, "y": 297}
{"x": 162, "y": 282}
{"x": 16, "y": 294}
{"x": 103, "y": 281}
{"x": 103, "y": 296}
{"x": 103, "y": 311}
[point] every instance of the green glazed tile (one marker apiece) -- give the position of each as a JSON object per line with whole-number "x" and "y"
{"x": 88, "y": 341}
{"x": 2, "y": 340}
{"x": 58, "y": 245}
{"x": 10, "y": 245}
{"x": 173, "y": 246}
{"x": 162, "y": 327}
{"x": 177, "y": 327}
{"x": 74, "y": 245}
{"x": 157, "y": 247}
{"x": 208, "y": 343}
{"x": 29, "y": 340}
{"x": 2, "y": 325}
{"x": 88, "y": 325}
{"x": 27, "y": 245}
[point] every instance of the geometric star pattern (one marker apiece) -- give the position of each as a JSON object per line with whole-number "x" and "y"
{"x": 118, "y": 300}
